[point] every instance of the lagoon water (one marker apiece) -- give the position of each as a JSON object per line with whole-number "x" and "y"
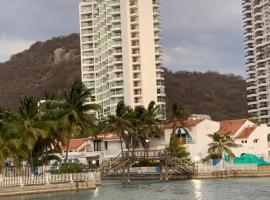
{"x": 221, "y": 189}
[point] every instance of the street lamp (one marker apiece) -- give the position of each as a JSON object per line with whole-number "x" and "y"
{"x": 94, "y": 164}
{"x": 147, "y": 146}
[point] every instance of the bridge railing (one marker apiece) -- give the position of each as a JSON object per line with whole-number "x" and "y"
{"x": 146, "y": 154}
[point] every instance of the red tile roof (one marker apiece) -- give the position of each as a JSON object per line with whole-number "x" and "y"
{"x": 74, "y": 144}
{"x": 230, "y": 127}
{"x": 187, "y": 123}
{"x": 246, "y": 133}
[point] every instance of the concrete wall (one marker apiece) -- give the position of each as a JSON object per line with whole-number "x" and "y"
{"x": 198, "y": 149}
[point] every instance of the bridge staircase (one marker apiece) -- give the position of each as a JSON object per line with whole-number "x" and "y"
{"x": 125, "y": 160}
{"x": 114, "y": 164}
{"x": 181, "y": 166}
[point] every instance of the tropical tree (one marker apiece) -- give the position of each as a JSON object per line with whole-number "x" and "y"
{"x": 147, "y": 123}
{"x": 120, "y": 124}
{"x": 178, "y": 113}
{"x": 29, "y": 125}
{"x": 220, "y": 146}
{"x": 74, "y": 114}
{"x": 177, "y": 148}
{"x": 9, "y": 144}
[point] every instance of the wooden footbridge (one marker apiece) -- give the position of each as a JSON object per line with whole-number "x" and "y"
{"x": 169, "y": 164}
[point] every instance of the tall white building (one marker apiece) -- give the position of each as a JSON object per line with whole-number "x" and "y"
{"x": 120, "y": 52}
{"x": 257, "y": 53}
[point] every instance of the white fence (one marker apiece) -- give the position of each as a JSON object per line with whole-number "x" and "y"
{"x": 205, "y": 168}
{"x": 46, "y": 179}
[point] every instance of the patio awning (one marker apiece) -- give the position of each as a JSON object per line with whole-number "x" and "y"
{"x": 181, "y": 131}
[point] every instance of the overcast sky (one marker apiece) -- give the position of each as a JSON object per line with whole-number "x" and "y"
{"x": 198, "y": 35}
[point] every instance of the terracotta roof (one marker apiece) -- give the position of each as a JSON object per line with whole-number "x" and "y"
{"x": 230, "y": 127}
{"x": 246, "y": 133}
{"x": 76, "y": 143}
{"x": 187, "y": 123}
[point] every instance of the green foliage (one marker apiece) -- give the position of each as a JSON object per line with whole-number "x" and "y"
{"x": 177, "y": 148}
{"x": 177, "y": 116}
{"x": 220, "y": 146}
{"x": 39, "y": 129}
{"x": 135, "y": 126}
{"x": 72, "y": 168}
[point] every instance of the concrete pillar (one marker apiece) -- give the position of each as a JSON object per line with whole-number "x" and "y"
{"x": 70, "y": 178}
{"x": 21, "y": 182}
{"x": 47, "y": 178}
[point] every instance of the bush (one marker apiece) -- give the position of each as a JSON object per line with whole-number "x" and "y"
{"x": 72, "y": 168}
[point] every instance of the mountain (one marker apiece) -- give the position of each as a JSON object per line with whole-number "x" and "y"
{"x": 54, "y": 65}
{"x": 220, "y": 96}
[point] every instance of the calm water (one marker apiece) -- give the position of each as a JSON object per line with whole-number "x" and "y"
{"x": 226, "y": 189}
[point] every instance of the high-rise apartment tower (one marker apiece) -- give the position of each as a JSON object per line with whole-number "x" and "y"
{"x": 120, "y": 52}
{"x": 257, "y": 53}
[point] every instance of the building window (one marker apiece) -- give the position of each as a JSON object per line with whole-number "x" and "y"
{"x": 106, "y": 145}
{"x": 97, "y": 145}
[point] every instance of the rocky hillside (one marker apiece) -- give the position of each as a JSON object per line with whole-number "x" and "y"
{"x": 46, "y": 67}
{"x": 53, "y": 65}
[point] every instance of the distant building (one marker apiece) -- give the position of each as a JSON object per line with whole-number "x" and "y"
{"x": 253, "y": 139}
{"x": 87, "y": 150}
{"x": 199, "y": 116}
{"x": 257, "y": 53}
{"x": 121, "y": 53}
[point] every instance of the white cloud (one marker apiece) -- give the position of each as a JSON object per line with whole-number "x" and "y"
{"x": 197, "y": 34}
{"x": 203, "y": 35}
{"x": 10, "y": 46}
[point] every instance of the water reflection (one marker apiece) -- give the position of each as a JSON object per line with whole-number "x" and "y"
{"x": 96, "y": 193}
{"x": 219, "y": 189}
{"x": 197, "y": 184}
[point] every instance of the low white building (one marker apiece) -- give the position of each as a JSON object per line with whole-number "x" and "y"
{"x": 194, "y": 134}
{"x": 91, "y": 151}
{"x": 253, "y": 139}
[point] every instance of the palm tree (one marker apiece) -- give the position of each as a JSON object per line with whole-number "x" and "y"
{"x": 120, "y": 124}
{"x": 30, "y": 122}
{"x": 178, "y": 113}
{"x": 176, "y": 148}
{"x": 74, "y": 113}
{"x": 147, "y": 123}
{"x": 29, "y": 125}
{"x": 220, "y": 146}
{"x": 10, "y": 143}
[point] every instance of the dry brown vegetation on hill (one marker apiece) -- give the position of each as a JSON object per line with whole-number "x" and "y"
{"x": 53, "y": 65}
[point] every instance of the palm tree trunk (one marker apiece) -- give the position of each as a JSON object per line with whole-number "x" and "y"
{"x": 67, "y": 149}
{"x": 121, "y": 144}
{"x": 173, "y": 128}
{"x": 31, "y": 160}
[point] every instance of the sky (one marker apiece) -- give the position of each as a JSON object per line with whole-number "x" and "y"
{"x": 198, "y": 35}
